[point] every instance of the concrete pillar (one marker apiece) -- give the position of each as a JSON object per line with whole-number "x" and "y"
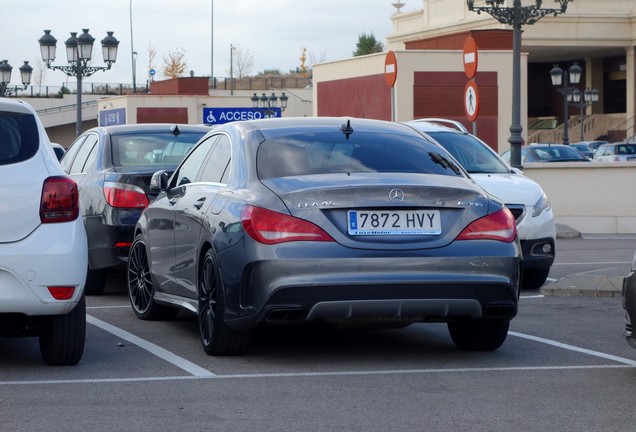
{"x": 631, "y": 86}
{"x": 594, "y": 79}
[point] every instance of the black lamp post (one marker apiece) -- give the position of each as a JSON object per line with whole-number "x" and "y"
{"x": 5, "y": 78}
{"x": 516, "y": 16}
{"x": 79, "y": 50}
{"x": 561, "y": 81}
{"x": 589, "y": 97}
{"x": 268, "y": 103}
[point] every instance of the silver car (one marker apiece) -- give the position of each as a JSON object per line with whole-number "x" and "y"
{"x": 342, "y": 221}
{"x": 616, "y": 152}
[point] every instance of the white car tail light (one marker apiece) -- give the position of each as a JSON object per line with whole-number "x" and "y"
{"x": 59, "y": 201}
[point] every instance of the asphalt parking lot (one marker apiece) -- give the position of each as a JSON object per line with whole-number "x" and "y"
{"x": 564, "y": 366}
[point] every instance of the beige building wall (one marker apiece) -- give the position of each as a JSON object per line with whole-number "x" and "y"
{"x": 299, "y": 103}
{"x": 411, "y": 61}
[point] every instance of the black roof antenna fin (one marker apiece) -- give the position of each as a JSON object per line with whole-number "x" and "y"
{"x": 175, "y": 130}
{"x": 346, "y": 128}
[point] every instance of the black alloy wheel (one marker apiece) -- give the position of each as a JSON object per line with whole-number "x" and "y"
{"x": 216, "y": 337}
{"x": 140, "y": 287}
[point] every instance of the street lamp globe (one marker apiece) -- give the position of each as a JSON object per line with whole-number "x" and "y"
{"x": 85, "y": 45}
{"x": 47, "y": 47}
{"x": 575, "y": 73}
{"x": 556, "y": 74}
{"x": 26, "y": 71}
{"x": 109, "y": 48}
{"x": 71, "y": 48}
{"x": 283, "y": 101}
{"x": 5, "y": 72}
{"x": 255, "y": 99}
{"x": 271, "y": 103}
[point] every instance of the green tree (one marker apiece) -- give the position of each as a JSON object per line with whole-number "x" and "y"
{"x": 367, "y": 44}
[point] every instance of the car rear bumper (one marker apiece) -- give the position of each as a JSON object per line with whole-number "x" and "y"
{"x": 629, "y": 304}
{"x": 406, "y": 289}
{"x": 53, "y": 255}
{"x": 109, "y": 239}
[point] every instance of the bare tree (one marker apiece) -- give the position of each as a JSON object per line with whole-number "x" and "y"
{"x": 174, "y": 64}
{"x": 243, "y": 62}
{"x": 39, "y": 75}
{"x": 314, "y": 58}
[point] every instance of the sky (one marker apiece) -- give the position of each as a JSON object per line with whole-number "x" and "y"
{"x": 273, "y": 31}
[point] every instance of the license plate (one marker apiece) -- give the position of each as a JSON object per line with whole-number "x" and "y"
{"x": 394, "y": 222}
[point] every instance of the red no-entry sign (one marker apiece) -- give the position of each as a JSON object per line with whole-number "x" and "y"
{"x": 390, "y": 68}
{"x": 470, "y": 57}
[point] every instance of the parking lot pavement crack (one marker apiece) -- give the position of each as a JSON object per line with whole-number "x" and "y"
{"x": 162, "y": 353}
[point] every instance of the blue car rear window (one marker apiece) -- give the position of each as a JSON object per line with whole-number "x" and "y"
{"x": 19, "y": 138}
{"x": 321, "y": 153}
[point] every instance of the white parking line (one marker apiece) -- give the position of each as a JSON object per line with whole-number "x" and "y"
{"x": 162, "y": 353}
{"x": 315, "y": 374}
{"x": 197, "y": 372}
{"x": 591, "y": 263}
{"x": 574, "y": 348}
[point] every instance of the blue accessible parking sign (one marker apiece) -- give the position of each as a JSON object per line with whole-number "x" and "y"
{"x": 216, "y": 116}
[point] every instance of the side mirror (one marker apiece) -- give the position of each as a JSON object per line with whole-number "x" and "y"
{"x": 159, "y": 181}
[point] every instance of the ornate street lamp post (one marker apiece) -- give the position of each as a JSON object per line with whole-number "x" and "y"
{"x": 79, "y": 50}
{"x": 516, "y": 16}
{"x": 5, "y": 78}
{"x": 561, "y": 81}
{"x": 268, "y": 103}
{"x": 589, "y": 97}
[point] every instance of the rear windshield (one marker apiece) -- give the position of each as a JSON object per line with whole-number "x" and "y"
{"x": 152, "y": 148}
{"x": 19, "y": 138}
{"x": 329, "y": 152}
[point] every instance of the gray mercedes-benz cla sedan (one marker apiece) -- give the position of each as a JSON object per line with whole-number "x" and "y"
{"x": 342, "y": 221}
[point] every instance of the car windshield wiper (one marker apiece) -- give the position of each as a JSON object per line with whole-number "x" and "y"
{"x": 441, "y": 160}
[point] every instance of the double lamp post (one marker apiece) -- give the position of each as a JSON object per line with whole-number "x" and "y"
{"x": 5, "y": 78}
{"x": 79, "y": 50}
{"x": 566, "y": 83}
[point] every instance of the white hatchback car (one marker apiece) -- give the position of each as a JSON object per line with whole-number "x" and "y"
{"x": 523, "y": 196}
{"x": 43, "y": 248}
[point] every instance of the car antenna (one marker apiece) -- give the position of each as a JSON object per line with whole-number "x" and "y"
{"x": 361, "y": 106}
{"x": 175, "y": 130}
{"x": 346, "y": 128}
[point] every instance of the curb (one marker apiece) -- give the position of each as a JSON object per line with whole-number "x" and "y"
{"x": 566, "y": 232}
{"x": 584, "y": 286}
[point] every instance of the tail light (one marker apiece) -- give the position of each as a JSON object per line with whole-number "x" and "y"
{"x": 499, "y": 226}
{"x": 121, "y": 195}
{"x": 270, "y": 227}
{"x": 61, "y": 292}
{"x": 59, "y": 201}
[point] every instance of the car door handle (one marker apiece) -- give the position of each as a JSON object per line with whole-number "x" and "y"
{"x": 199, "y": 203}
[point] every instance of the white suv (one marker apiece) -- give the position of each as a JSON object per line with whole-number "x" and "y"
{"x": 43, "y": 249}
{"x": 524, "y": 197}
